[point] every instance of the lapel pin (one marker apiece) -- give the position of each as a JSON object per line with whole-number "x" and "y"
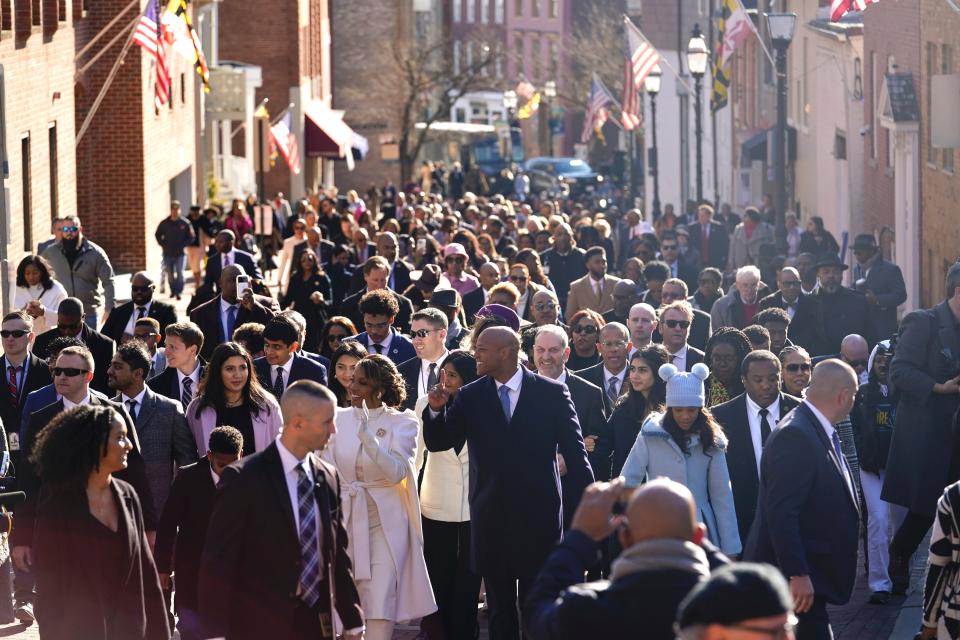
{"x": 381, "y": 432}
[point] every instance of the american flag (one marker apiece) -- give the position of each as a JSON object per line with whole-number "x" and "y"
{"x": 640, "y": 61}
{"x": 597, "y": 110}
{"x": 286, "y": 142}
{"x": 840, "y": 7}
{"x": 149, "y": 36}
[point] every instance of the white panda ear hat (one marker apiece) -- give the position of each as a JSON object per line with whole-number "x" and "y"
{"x": 684, "y": 389}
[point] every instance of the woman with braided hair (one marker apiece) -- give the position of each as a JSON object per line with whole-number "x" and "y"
{"x": 724, "y": 354}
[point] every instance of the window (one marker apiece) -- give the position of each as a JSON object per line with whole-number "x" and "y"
{"x": 554, "y": 8}
{"x": 457, "y": 52}
{"x": 931, "y": 69}
{"x": 35, "y": 12}
{"x": 469, "y": 63}
{"x": 554, "y": 61}
{"x": 946, "y": 68}
{"x": 484, "y": 11}
{"x": 62, "y": 10}
{"x": 25, "y": 186}
{"x": 498, "y": 59}
{"x": 535, "y": 8}
{"x": 183, "y": 88}
{"x": 518, "y": 8}
{"x": 840, "y": 145}
{"x": 471, "y": 11}
{"x": 6, "y": 15}
{"x": 498, "y": 11}
{"x": 54, "y": 170}
{"x": 874, "y": 96}
{"x": 519, "y": 54}
{"x": 803, "y": 70}
{"x": 536, "y": 57}
{"x": 457, "y": 10}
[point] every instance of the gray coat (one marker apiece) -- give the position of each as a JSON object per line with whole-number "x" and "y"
{"x": 921, "y": 450}
{"x": 165, "y": 442}
{"x": 744, "y": 251}
{"x": 655, "y": 454}
{"x": 90, "y": 270}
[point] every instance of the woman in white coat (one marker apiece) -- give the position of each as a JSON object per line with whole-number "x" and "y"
{"x": 373, "y": 450}
{"x": 37, "y": 292}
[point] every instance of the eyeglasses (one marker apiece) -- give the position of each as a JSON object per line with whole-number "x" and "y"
{"x": 333, "y": 337}
{"x": 668, "y": 247}
{"x": 798, "y": 366}
{"x": 422, "y": 333}
{"x": 136, "y": 287}
{"x": 585, "y": 328}
{"x": 518, "y": 278}
{"x": 16, "y": 333}
{"x": 673, "y": 324}
{"x": 376, "y": 325}
{"x": 455, "y": 259}
{"x": 546, "y": 306}
{"x": 70, "y": 229}
{"x": 616, "y": 344}
{"x": 70, "y": 372}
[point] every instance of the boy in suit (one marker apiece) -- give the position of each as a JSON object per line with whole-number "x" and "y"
{"x": 281, "y": 365}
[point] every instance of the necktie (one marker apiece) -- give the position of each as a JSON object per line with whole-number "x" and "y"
{"x": 432, "y": 376}
{"x": 141, "y": 312}
{"x": 764, "y": 427}
{"x": 278, "y": 383}
{"x": 226, "y": 259}
{"x": 231, "y": 321}
{"x": 837, "y": 448}
{"x": 132, "y": 404}
{"x": 309, "y": 539}
{"x": 612, "y": 391}
{"x": 705, "y": 244}
{"x": 505, "y": 400}
{"x": 187, "y": 394}
{"x": 378, "y": 347}
{"x": 12, "y": 382}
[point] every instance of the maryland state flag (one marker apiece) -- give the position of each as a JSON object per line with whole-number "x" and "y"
{"x": 733, "y": 28}
{"x": 181, "y": 37}
{"x": 530, "y": 108}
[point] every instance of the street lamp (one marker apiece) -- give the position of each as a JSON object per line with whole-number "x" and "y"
{"x": 652, "y": 86}
{"x": 780, "y": 26}
{"x": 510, "y": 104}
{"x": 549, "y": 92}
{"x": 697, "y": 56}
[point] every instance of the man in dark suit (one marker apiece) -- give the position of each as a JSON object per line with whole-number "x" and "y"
{"x": 808, "y": 515}
{"x": 677, "y": 263}
{"x": 282, "y": 365}
{"x": 489, "y": 275}
{"x": 421, "y": 373}
{"x": 748, "y": 420}
{"x": 184, "y": 521}
{"x": 165, "y": 439}
{"x": 610, "y": 374}
{"x": 388, "y": 248}
{"x": 625, "y": 295}
{"x": 701, "y": 326}
{"x": 267, "y": 569}
{"x": 881, "y": 282}
{"x": 314, "y": 240}
{"x": 72, "y": 375}
{"x": 379, "y": 312}
{"x": 179, "y": 381}
{"x": 837, "y": 310}
{"x": 70, "y": 324}
{"x": 218, "y": 317}
{"x": 798, "y": 307}
{"x": 123, "y": 319}
{"x": 376, "y": 272}
{"x": 23, "y": 372}
{"x": 512, "y": 531}
{"x": 674, "y": 327}
{"x": 709, "y": 237}
{"x": 226, "y": 255}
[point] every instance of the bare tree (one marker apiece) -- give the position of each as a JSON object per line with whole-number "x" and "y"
{"x": 596, "y": 46}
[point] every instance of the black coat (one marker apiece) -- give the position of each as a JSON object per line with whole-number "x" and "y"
{"x": 741, "y": 457}
{"x": 594, "y": 375}
{"x": 835, "y": 316}
{"x": 886, "y": 281}
{"x": 807, "y": 522}
{"x": 207, "y": 317}
{"x": 401, "y": 278}
{"x": 162, "y": 312}
{"x": 513, "y": 531}
{"x": 99, "y": 345}
{"x": 588, "y": 400}
{"x": 303, "y": 368}
{"x": 250, "y": 566}
{"x": 215, "y": 265}
{"x": 803, "y": 327}
{"x": 38, "y": 375}
{"x": 719, "y": 241}
{"x": 927, "y": 353}
{"x": 625, "y": 423}
{"x": 69, "y": 578}
{"x": 473, "y": 302}
{"x": 562, "y": 270}
{"x": 351, "y": 309}
{"x": 183, "y": 530}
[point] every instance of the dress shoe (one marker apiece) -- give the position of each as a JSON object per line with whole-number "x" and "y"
{"x": 24, "y": 612}
{"x": 880, "y": 597}
{"x": 899, "y": 571}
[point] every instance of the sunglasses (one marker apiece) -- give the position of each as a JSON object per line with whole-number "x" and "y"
{"x": 673, "y": 324}
{"x": 455, "y": 259}
{"x": 334, "y": 337}
{"x": 16, "y": 333}
{"x": 857, "y": 363}
{"x": 668, "y": 247}
{"x": 585, "y": 328}
{"x": 796, "y": 367}
{"x": 70, "y": 229}
{"x": 70, "y": 372}
{"x": 136, "y": 287}
{"x": 518, "y": 279}
{"x": 422, "y": 333}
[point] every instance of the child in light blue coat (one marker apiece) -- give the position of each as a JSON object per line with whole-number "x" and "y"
{"x": 687, "y": 445}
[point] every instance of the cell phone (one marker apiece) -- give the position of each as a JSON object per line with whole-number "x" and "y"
{"x": 243, "y": 283}
{"x": 422, "y": 244}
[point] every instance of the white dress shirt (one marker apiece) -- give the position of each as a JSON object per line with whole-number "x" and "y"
{"x": 226, "y": 259}
{"x": 287, "y": 367}
{"x": 194, "y": 376}
{"x": 513, "y": 384}
{"x": 619, "y": 376}
{"x": 69, "y": 404}
{"x": 290, "y": 463}
{"x": 424, "y": 376}
{"x": 385, "y": 343}
{"x": 753, "y": 419}
{"x": 124, "y": 398}
{"x": 679, "y": 359}
{"x": 829, "y": 429}
{"x": 224, "y": 308}
{"x": 132, "y": 322}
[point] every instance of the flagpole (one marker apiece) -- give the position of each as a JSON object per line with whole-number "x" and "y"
{"x": 105, "y": 28}
{"x": 753, "y": 27}
{"x": 663, "y": 59}
{"x": 82, "y": 70}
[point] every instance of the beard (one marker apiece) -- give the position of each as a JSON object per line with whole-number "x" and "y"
{"x": 70, "y": 244}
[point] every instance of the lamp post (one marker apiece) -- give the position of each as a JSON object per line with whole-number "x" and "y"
{"x": 652, "y": 86}
{"x": 549, "y": 92}
{"x": 697, "y": 56}
{"x": 509, "y": 103}
{"x": 780, "y": 26}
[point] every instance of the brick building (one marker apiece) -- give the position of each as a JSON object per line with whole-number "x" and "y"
{"x": 36, "y": 51}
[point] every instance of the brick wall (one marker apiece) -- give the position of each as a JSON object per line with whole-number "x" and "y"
{"x": 38, "y": 67}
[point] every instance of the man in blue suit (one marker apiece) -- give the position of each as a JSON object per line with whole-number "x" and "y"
{"x": 282, "y": 365}
{"x": 514, "y": 422}
{"x": 808, "y": 514}
{"x": 379, "y": 311}
{"x": 225, "y": 256}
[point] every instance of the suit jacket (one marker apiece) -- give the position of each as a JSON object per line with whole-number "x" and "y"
{"x": 526, "y": 313}
{"x": 100, "y": 346}
{"x": 11, "y": 411}
{"x": 215, "y": 266}
{"x": 718, "y": 244}
{"x": 183, "y": 526}
{"x": 594, "y": 375}
{"x": 694, "y": 356}
{"x": 886, "y": 281}
{"x": 741, "y": 456}
{"x": 473, "y": 302}
{"x": 401, "y": 349}
{"x": 37, "y": 400}
{"x": 701, "y": 328}
{"x": 351, "y": 309}
{"x": 583, "y": 296}
{"x": 30, "y": 483}
{"x": 324, "y": 252}
{"x": 590, "y": 404}
{"x": 411, "y": 370}
{"x": 165, "y": 442}
{"x": 69, "y": 576}
{"x": 207, "y": 317}
{"x": 807, "y": 521}
{"x": 303, "y": 368}
{"x": 251, "y": 563}
{"x": 513, "y": 531}
{"x": 162, "y": 312}
{"x": 167, "y": 383}
{"x": 835, "y": 316}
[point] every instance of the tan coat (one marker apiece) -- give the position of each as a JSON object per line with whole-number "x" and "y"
{"x": 584, "y": 296}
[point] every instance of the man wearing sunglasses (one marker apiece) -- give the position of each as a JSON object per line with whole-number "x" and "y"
{"x": 797, "y": 306}
{"x": 429, "y": 331}
{"x": 70, "y": 324}
{"x": 82, "y": 267}
{"x": 22, "y": 371}
{"x": 123, "y": 321}
{"x": 674, "y": 327}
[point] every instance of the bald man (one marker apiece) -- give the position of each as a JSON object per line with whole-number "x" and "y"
{"x": 489, "y": 274}
{"x": 665, "y": 555}
{"x": 218, "y": 318}
{"x": 123, "y": 320}
{"x": 808, "y": 514}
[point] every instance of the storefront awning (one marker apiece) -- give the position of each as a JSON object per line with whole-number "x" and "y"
{"x": 755, "y": 147}
{"x": 326, "y": 135}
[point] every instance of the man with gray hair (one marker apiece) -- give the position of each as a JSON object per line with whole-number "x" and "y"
{"x": 610, "y": 374}
{"x": 737, "y": 308}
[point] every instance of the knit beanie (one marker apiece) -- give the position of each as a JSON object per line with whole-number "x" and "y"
{"x": 734, "y": 593}
{"x": 684, "y": 389}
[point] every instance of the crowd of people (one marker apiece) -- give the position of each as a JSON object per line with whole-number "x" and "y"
{"x": 399, "y": 407}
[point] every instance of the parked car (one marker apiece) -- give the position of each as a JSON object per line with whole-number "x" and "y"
{"x": 574, "y": 173}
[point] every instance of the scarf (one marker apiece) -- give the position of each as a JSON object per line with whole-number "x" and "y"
{"x": 658, "y": 554}
{"x": 717, "y": 393}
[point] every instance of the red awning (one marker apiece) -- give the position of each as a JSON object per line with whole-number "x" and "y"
{"x": 326, "y": 134}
